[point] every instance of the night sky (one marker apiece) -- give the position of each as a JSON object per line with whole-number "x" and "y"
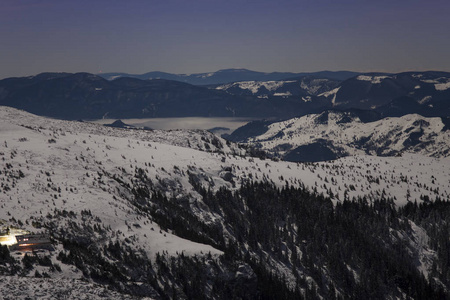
{"x": 192, "y": 36}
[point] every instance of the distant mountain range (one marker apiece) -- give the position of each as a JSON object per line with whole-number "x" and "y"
{"x": 88, "y": 96}
{"x": 229, "y": 75}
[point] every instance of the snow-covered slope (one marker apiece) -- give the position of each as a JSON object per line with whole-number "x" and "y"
{"x": 89, "y": 184}
{"x": 260, "y": 88}
{"x": 86, "y": 156}
{"x": 342, "y": 133}
{"x": 305, "y": 87}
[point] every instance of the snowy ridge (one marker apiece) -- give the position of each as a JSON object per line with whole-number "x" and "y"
{"x": 389, "y": 136}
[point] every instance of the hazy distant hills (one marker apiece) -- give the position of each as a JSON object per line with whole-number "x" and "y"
{"x": 230, "y": 75}
{"x": 88, "y": 96}
{"x": 425, "y": 93}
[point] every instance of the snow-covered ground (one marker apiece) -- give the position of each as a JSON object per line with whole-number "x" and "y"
{"x": 372, "y": 79}
{"x": 314, "y": 86}
{"x": 281, "y": 88}
{"x": 64, "y": 166}
{"x": 51, "y": 165}
{"x": 82, "y": 151}
{"x": 255, "y": 86}
{"x": 442, "y": 86}
{"x": 331, "y": 93}
{"x": 14, "y": 287}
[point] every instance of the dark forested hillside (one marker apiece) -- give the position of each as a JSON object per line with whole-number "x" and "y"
{"x": 290, "y": 243}
{"x": 355, "y": 250}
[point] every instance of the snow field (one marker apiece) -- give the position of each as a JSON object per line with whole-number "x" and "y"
{"x": 73, "y": 167}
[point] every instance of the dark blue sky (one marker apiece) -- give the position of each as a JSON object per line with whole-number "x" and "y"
{"x": 191, "y": 36}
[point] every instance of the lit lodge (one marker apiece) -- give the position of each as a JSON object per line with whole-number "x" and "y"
{"x": 31, "y": 241}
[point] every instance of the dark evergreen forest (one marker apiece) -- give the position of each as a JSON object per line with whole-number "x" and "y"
{"x": 356, "y": 249}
